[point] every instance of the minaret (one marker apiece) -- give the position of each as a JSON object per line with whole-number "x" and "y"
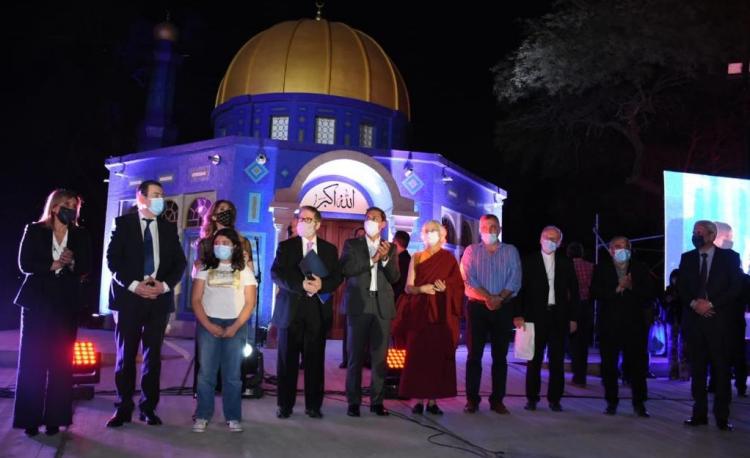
{"x": 157, "y": 129}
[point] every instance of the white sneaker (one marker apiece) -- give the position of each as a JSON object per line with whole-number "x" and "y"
{"x": 199, "y": 425}
{"x": 234, "y": 426}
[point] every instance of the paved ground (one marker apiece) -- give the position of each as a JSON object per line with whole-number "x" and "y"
{"x": 580, "y": 431}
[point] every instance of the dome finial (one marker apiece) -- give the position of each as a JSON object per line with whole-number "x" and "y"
{"x": 319, "y": 5}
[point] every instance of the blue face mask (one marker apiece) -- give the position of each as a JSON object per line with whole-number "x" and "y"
{"x": 223, "y": 252}
{"x": 622, "y": 255}
{"x": 156, "y": 205}
{"x": 489, "y": 238}
{"x": 549, "y": 246}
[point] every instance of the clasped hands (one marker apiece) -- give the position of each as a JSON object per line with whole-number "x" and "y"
{"x": 432, "y": 288}
{"x": 66, "y": 259}
{"x": 220, "y": 332}
{"x": 150, "y": 288}
{"x": 704, "y": 308}
{"x": 312, "y": 287}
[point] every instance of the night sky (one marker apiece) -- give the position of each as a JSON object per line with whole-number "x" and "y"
{"x": 77, "y": 77}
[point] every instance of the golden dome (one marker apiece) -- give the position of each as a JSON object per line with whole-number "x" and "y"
{"x": 315, "y": 57}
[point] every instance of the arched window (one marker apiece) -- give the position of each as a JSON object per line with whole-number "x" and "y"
{"x": 467, "y": 235}
{"x": 197, "y": 211}
{"x": 450, "y": 238}
{"x": 171, "y": 211}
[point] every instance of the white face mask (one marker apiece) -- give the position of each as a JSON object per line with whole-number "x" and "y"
{"x": 372, "y": 228}
{"x": 432, "y": 238}
{"x": 489, "y": 238}
{"x": 305, "y": 230}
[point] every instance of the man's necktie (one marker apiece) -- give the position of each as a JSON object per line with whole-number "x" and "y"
{"x": 148, "y": 249}
{"x": 703, "y": 276}
{"x": 309, "y": 247}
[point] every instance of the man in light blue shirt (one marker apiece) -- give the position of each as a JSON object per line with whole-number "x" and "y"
{"x": 492, "y": 277}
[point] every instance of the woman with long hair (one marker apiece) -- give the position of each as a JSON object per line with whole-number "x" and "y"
{"x": 222, "y": 214}
{"x": 55, "y": 255}
{"x": 427, "y": 322}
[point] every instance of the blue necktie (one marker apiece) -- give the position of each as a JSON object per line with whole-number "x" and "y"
{"x": 148, "y": 249}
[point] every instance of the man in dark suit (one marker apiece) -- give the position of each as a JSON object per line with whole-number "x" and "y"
{"x": 146, "y": 260}
{"x": 401, "y": 239}
{"x": 369, "y": 265}
{"x": 549, "y": 299}
{"x": 625, "y": 292}
{"x": 709, "y": 283}
{"x": 303, "y": 313}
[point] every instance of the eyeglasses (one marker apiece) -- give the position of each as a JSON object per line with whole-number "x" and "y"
{"x": 307, "y": 220}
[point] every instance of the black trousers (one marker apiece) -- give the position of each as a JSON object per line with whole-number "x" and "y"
{"x": 305, "y": 335}
{"x": 631, "y": 342}
{"x": 738, "y": 357}
{"x": 549, "y": 333}
{"x": 142, "y": 325}
{"x": 708, "y": 341}
{"x": 368, "y": 333}
{"x": 580, "y": 342}
{"x": 484, "y": 324}
{"x": 44, "y": 387}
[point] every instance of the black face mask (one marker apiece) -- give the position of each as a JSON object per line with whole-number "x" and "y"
{"x": 66, "y": 215}
{"x": 698, "y": 241}
{"x": 225, "y": 218}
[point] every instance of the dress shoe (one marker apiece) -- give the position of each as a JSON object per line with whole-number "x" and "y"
{"x": 379, "y": 410}
{"x": 578, "y": 383}
{"x": 434, "y": 409}
{"x": 742, "y": 393}
{"x": 353, "y": 410}
{"x": 471, "y": 407}
{"x": 119, "y": 418}
{"x": 724, "y": 425}
{"x": 530, "y": 405}
{"x": 282, "y": 412}
{"x": 555, "y": 407}
{"x": 343, "y": 365}
{"x": 640, "y": 410}
{"x": 418, "y": 409}
{"x": 314, "y": 413}
{"x": 31, "y": 432}
{"x": 694, "y": 421}
{"x": 499, "y": 407}
{"x": 52, "y": 430}
{"x": 611, "y": 409}
{"x": 150, "y": 417}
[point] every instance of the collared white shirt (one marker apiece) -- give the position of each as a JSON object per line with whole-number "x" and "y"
{"x": 549, "y": 267}
{"x": 153, "y": 228}
{"x": 306, "y": 241}
{"x": 372, "y": 248}
{"x": 709, "y": 259}
{"x": 58, "y": 248}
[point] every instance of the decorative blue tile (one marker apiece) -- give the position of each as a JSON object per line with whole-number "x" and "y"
{"x": 413, "y": 183}
{"x": 253, "y": 207}
{"x": 256, "y": 171}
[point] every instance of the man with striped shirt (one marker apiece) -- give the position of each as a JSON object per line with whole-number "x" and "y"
{"x": 492, "y": 275}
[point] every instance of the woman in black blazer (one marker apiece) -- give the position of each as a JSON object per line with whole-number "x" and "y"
{"x": 55, "y": 255}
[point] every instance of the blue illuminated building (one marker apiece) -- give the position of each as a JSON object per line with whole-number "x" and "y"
{"x": 308, "y": 112}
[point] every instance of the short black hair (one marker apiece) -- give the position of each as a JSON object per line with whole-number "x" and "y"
{"x": 378, "y": 209}
{"x": 402, "y": 237}
{"x": 143, "y": 186}
{"x": 316, "y": 213}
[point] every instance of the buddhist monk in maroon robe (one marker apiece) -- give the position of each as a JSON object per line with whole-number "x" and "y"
{"x": 427, "y": 323}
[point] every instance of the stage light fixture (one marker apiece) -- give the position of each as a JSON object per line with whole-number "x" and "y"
{"x": 408, "y": 169}
{"x": 87, "y": 366}
{"x": 215, "y": 159}
{"x": 395, "y": 360}
{"x": 261, "y": 158}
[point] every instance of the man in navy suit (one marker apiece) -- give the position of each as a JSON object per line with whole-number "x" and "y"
{"x": 709, "y": 285}
{"x": 303, "y": 313}
{"x": 146, "y": 260}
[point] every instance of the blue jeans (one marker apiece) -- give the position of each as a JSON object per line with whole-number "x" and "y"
{"x": 215, "y": 352}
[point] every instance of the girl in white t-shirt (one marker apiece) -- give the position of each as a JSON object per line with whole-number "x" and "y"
{"x": 223, "y": 300}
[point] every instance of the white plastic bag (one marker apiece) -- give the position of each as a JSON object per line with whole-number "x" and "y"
{"x": 523, "y": 346}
